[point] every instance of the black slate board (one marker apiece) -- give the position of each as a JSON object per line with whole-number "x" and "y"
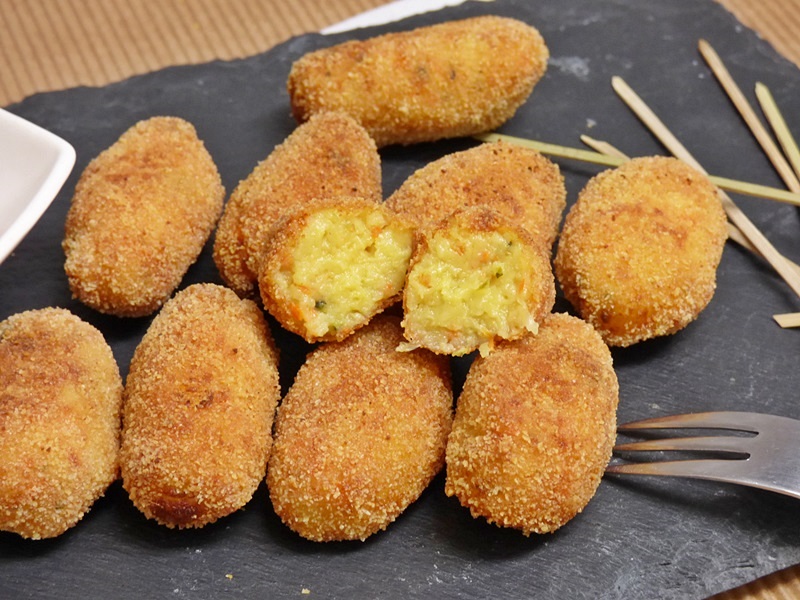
{"x": 639, "y": 538}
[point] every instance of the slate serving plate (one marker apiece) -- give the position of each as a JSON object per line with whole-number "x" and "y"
{"x": 639, "y": 538}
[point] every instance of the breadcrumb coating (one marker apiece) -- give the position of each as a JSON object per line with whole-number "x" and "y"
{"x": 639, "y": 251}
{"x": 60, "y": 403}
{"x": 360, "y": 435}
{"x": 332, "y": 266}
{"x": 199, "y": 405}
{"x": 534, "y": 428}
{"x": 141, "y": 214}
{"x": 519, "y": 183}
{"x": 473, "y": 280}
{"x": 330, "y": 155}
{"x": 447, "y": 80}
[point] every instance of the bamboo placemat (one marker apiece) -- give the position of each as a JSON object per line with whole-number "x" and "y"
{"x": 48, "y": 45}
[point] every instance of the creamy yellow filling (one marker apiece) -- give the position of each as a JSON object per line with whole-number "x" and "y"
{"x": 345, "y": 264}
{"x": 468, "y": 288}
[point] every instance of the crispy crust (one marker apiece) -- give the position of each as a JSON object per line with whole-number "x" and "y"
{"x": 519, "y": 183}
{"x": 534, "y": 428}
{"x": 199, "y": 404}
{"x": 330, "y": 155}
{"x": 281, "y": 257}
{"x": 639, "y": 250}
{"x": 453, "y": 79}
{"x": 60, "y": 402}
{"x": 141, "y": 213}
{"x": 535, "y": 284}
{"x": 359, "y": 435}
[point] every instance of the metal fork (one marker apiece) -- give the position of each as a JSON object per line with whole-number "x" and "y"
{"x": 770, "y": 460}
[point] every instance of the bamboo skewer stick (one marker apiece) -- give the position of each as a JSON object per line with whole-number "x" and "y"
{"x": 748, "y": 114}
{"x": 733, "y": 232}
{"x": 657, "y": 127}
{"x": 732, "y": 185}
{"x": 776, "y": 120}
{"x": 788, "y": 320}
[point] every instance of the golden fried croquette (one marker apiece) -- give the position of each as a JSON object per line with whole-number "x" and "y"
{"x": 442, "y": 81}
{"x": 60, "y": 402}
{"x": 330, "y": 155}
{"x": 359, "y": 435}
{"x": 640, "y": 248}
{"x": 534, "y": 428}
{"x": 141, "y": 213}
{"x": 200, "y": 399}
{"x": 473, "y": 280}
{"x": 517, "y": 182}
{"x": 333, "y": 265}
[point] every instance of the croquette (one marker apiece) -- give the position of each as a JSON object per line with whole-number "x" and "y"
{"x": 140, "y": 216}
{"x": 442, "y": 81}
{"x": 475, "y": 279}
{"x": 60, "y": 403}
{"x": 517, "y": 182}
{"x": 333, "y": 265}
{"x": 330, "y": 155}
{"x": 200, "y": 400}
{"x": 360, "y": 434}
{"x": 639, "y": 250}
{"x": 534, "y": 428}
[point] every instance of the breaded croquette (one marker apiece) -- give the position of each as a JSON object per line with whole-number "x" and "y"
{"x": 442, "y": 81}
{"x": 200, "y": 399}
{"x": 639, "y": 251}
{"x": 141, "y": 213}
{"x": 333, "y": 265}
{"x": 472, "y": 280}
{"x": 360, "y": 435}
{"x": 517, "y": 182}
{"x": 60, "y": 403}
{"x": 534, "y": 428}
{"x": 330, "y": 155}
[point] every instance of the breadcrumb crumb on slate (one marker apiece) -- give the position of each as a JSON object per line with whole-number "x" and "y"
{"x": 640, "y": 248}
{"x": 534, "y": 428}
{"x": 473, "y": 280}
{"x": 332, "y": 266}
{"x": 60, "y": 403}
{"x": 360, "y": 435}
{"x": 200, "y": 400}
{"x": 447, "y": 80}
{"x": 519, "y": 183}
{"x": 330, "y": 155}
{"x": 141, "y": 214}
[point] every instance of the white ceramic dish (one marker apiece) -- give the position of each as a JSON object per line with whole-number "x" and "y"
{"x": 34, "y": 164}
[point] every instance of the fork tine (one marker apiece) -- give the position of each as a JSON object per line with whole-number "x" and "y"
{"x": 703, "y": 469}
{"x": 743, "y": 421}
{"x": 707, "y": 443}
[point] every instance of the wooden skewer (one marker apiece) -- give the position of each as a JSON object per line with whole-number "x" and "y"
{"x": 657, "y": 127}
{"x": 748, "y": 114}
{"x": 732, "y": 185}
{"x": 787, "y": 320}
{"x": 776, "y": 120}
{"x": 733, "y": 231}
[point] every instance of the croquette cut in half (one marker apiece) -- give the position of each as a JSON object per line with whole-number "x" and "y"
{"x": 334, "y": 265}
{"x": 200, "y": 400}
{"x": 142, "y": 211}
{"x": 639, "y": 251}
{"x": 60, "y": 403}
{"x": 330, "y": 155}
{"x": 452, "y": 79}
{"x": 534, "y": 428}
{"x": 517, "y": 182}
{"x": 473, "y": 280}
{"x": 360, "y": 435}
